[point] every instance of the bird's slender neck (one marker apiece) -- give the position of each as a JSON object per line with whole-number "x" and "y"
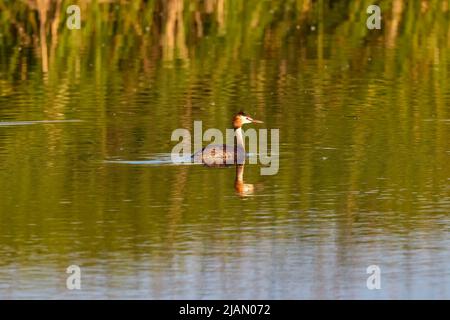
{"x": 239, "y": 139}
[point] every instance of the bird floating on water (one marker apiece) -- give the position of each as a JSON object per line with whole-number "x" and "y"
{"x": 217, "y": 155}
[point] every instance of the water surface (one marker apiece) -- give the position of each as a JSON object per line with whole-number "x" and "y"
{"x": 364, "y": 153}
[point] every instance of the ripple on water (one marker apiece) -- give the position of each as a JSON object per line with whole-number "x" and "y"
{"x": 32, "y": 122}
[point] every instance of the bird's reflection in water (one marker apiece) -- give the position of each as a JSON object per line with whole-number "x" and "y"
{"x": 243, "y": 189}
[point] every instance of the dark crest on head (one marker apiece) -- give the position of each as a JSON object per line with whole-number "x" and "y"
{"x": 237, "y": 123}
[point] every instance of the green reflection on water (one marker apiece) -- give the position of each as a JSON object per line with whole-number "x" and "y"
{"x": 364, "y": 129}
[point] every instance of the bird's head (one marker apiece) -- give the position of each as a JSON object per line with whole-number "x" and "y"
{"x": 241, "y": 118}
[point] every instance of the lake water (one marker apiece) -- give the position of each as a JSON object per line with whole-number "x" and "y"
{"x": 363, "y": 175}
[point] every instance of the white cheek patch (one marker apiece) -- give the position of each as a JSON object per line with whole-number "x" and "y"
{"x": 246, "y": 120}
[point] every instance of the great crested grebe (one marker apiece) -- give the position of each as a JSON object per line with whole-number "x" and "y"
{"x": 221, "y": 154}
